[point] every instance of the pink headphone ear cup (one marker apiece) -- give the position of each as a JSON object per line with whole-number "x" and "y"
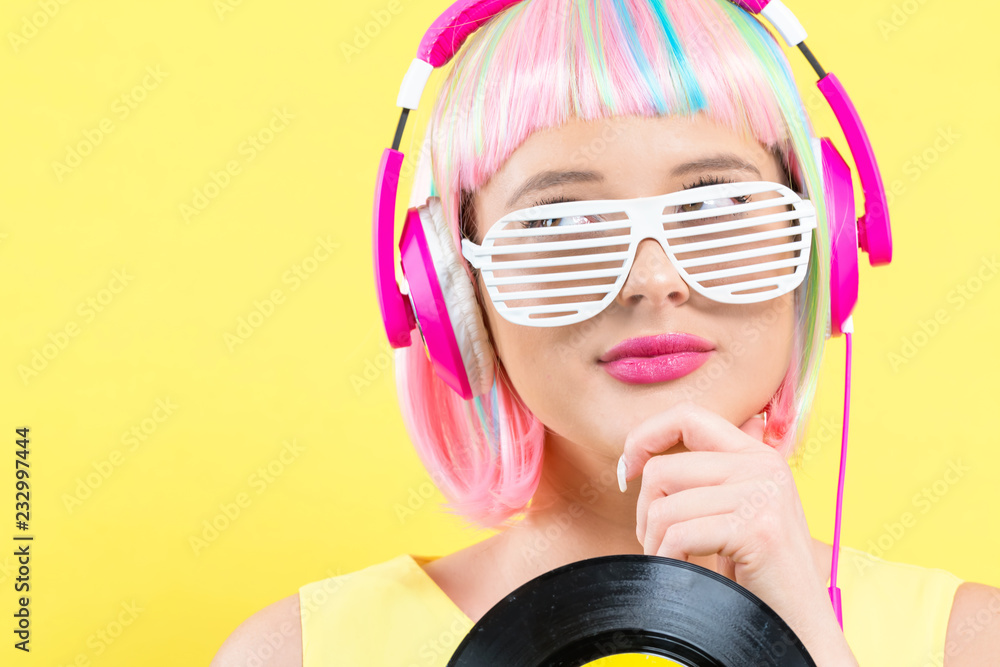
{"x": 444, "y": 302}
{"x": 842, "y": 222}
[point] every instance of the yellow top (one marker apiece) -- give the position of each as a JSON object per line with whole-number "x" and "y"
{"x": 392, "y": 614}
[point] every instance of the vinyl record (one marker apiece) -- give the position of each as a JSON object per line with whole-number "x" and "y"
{"x": 628, "y": 603}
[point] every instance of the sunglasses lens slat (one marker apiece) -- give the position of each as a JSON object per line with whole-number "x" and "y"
{"x": 744, "y": 270}
{"x": 554, "y": 292}
{"x": 736, "y": 292}
{"x": 547, "y": 262}
{"x": 744, "y": 254}
{"x": 557, "y": 277}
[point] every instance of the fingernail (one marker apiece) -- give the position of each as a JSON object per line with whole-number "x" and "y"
{"x": 622, "y": 471}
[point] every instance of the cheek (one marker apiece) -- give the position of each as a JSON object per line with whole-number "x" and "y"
{"x": 538, "y": 361}
{"x": 761, "y": 343}
{"x": 534, "y": 356}
{"x": 775, "y": 342}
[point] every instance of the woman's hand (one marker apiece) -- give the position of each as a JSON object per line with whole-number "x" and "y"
{"x": 734, "y": 496}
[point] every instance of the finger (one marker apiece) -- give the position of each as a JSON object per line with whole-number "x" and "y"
{"x": 669, "y": 475}
{"x": 686, "y": 505}
{"x": 698, "y": 428}
{"x": 704, "y": 536}
{"x": 727, "y": 567}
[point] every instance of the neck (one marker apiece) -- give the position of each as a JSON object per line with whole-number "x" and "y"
{"x": 578, "y": 512}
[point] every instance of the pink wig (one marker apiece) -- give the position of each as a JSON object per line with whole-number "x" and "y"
{"x": 540, "y": 64}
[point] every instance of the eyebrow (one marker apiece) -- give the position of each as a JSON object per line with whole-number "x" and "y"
{"x": 725, "y": 161}
{"x": 549, "y": 179}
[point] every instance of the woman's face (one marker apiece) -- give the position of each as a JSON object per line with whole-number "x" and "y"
{"x": 558, "y": 371}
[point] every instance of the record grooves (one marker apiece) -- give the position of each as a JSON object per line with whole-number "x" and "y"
{"x": 630, "y": 603}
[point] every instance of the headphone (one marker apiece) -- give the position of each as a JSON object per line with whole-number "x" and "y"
{"x": 439, "y": 298}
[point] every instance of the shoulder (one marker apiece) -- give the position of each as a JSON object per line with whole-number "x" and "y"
{"x": 974, "y": 626}
{"x": 272, "y": 636}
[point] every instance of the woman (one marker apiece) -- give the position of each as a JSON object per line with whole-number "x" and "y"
{"x": 586, "y": 440}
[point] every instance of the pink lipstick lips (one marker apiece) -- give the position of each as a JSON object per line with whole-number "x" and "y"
{"x": 659, "y": 358}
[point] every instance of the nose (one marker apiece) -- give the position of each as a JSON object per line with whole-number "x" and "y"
{"x": 653, "y": 279}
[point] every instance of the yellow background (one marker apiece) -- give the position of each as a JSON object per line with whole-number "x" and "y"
{"x": 333, "y": 505}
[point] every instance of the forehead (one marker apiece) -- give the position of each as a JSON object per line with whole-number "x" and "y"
{"x": 628, "y": 157}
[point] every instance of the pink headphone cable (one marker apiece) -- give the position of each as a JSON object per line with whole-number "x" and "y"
{"x": 848, "y": 329}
